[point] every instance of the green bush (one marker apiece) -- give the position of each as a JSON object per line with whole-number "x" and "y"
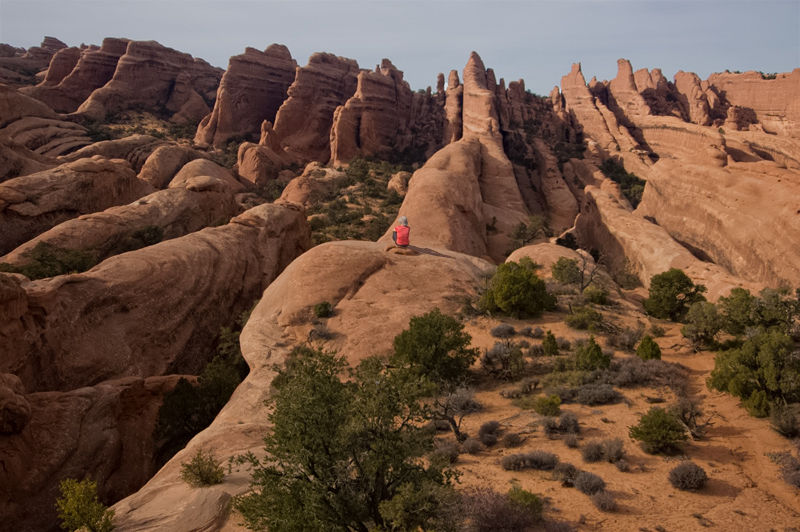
{"x": 550, "y": 344}
{"x": 658, "y": 430}
{"x": 648, "y": 349}
{"x": 436, "y": 346}
{"x": 323, "y": 310}
{"x": 631, "y": 185}
{"x": 79, "y": 508}
{"x": 141, "y": 238}
{"x": 590, "y": 357}
{"x": 595, "y": 294}
{"x": 738, "y": 311}
{"x": 764, "y": 370}
{"x": 527, "y": 501}
{"x": 47, "y": 260}
{"x": 202, "y": 470}
{"x": 516, "y": 290}
{"x": 671, "y": 295}
{"x": 783, "y": 421}
{"x": 703, "y": 323}
{"x": 583, "y": 317}
{"x": 547, "y": 405}
{"x": 525, "y": 233}
{"x": 566, "y": 271}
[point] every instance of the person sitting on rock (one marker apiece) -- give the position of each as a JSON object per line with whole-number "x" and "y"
{"x": 400, "y": 233}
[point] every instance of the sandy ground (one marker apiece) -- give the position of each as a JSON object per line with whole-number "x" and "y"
{"x": 744, "y": 491}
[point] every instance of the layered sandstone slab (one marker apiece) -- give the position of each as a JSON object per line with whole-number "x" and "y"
{"x": 165, "y": 161}
{"x": 17, "y": 160}
{"x": 135, "y": 149}
{"x": 372, "y": 303}
{"x": 102, "y": 432}
{"x": 32, "y": 204}
{"x": 251, "y": 91}
{"x": 177, "y": 211}
{"x": 619, "y": 234}
{"x": 154, "y": 311}
{"x": 744, "y": 216}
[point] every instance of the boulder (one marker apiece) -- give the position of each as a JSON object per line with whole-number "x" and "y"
{"x": 32, "y": 204}
{"x": 204, "y": 167}
{"x": 165, "y": 161}
{"x": 399, "y": 183}
{"x": 251, "y": 91}
{"x": 314, "y": 185}
{"x": 153, "y": 311}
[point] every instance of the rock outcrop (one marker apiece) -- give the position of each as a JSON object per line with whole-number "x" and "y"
{"x": 102, "y": 432}
{"x": 135, "y": 149}
{"x": 372, "y": 304}
{"x": 251, "y": 91}
{"x": 164, "y": 162}
{"x": 15, "y": 409}
{"x": 154, "y": 311}
{"x": 17, "y": 160}
{"x": 313, "y": 185}
{"x": 303, "y": 123}
{"x": 32, "y": 204}
{"x": 94, "y": 69}
{"x": 204, "y": 167}
{"x": 152, "y": 75}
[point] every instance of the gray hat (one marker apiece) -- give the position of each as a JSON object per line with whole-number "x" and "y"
{"x": 403, "y": 220}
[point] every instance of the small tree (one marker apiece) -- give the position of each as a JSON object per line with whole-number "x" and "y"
{"x": 738, "y": 311}
{"x": 658, "y": 430}
{"x": 671, "y": 294}
{"x": 648, "y": 349}
{"x": 590, "y": 357}
{"x": 435, "y": 345}
{"x": 202, "y": 470}
{"x": 452, "y": 404}
{"x": 566, "y": 271}
{"x": 550, "y": 344}
{"x": 703, "y": 323}
{"x": 524, "y": 233}
{"x": 516, "y": 290}
{"x": 80, "y": 508}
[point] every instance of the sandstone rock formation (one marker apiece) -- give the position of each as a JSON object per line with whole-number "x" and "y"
{"x": 303, "y": 122}
{"x": 177, "y": 211}
{"x": 204, "y": 167}
{"x": 314, "y": 185}
{"x": 32, "y": 204}
{"x": 102, "y": 432}
{"x": 399, "y": 183}
{"x": 94, "y": 69}
{"x": 17, "y": 160}
{"x": 17, "y": 64}
{"x": 251, "y": 91}
{"x": 148, "y": 75}
{"x": 154, "y": 311}
{"x": 15, "y": 410}
{"x": 452, "y": 109}
{"x": 372, "y": 304}
{"x": 135, "y": 149}
{"x": 259, "y": 164}
{"x": 164, "y": 162}
{"x": 61, "y": 65}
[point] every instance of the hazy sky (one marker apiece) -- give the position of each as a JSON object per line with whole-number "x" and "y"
{"x": 536, "y": 40}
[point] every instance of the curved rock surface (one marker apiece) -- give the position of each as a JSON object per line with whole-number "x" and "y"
{"x": 103, "y": 433}
{"x": 372, "y": 304}
{"x": 165, "y": 161}
{"x": 205, "y": 168}
{"x": 17, "y": 160}
{"x": 135, "y": 149}
{"x": 153, "y": 311}
{"x": 15, "y": 410}
{"x": 32, "y": 204}
{"x": 251, "y": 91}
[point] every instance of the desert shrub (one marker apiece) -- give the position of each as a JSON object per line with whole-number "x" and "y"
{"x": 202, "y": 470}
{"x": 568, "y": 423}
{"x": 516, "y": 290}
{"x": 583, "y": 318}
{"x": 627, "y": 338}
{"x": 452, "y": 404}
{"x": 323, "y": 310}
{"x": 623, "y": 465}
{"x": 434, "y": 345}
{"x": 593, "y": 451}
{"x": 523, "y": 344}
{"x": 589, "y": 483}
{"x": 783, "y": 420}
{"x": 512, "y": 439}
{"x": 703, "y": 323}
{"x": 547, "y": 405}
{"x": 141, "y": 238}
{"x": 634, "y": 371}
{"x": 688, "y": 476}
{"x": 658, "y": 430}
{"x": 671, "y": 295}
{"x": 565, "y": 472}
{"x": 590, "y": 357}
{"x": 632, "y": 186}
{"x": 79, "y": 507}
{"x": 489, "y": 511}
{"x": 613, "y": 450}
{"x": 595, "y": 294}
{"x": 648, "y": 349}
{"x": 505, "y": 360}
{"x": 527, "y": 501}
{"x": 657, "y": 331}
{"x": 764, "y": 370}
{"x": 504, "y": 330}
{"x": 549, "y": 426}
{"x": 566, "y": 271}
{"x": 563, "y": 344}
{"x": 789, "y": 467}
{"x": 447, "y": 451}
{"x": 626, "y": 278}
{"x": 571, "y": 441}
{"x": 537, "y": 332}
{"x": 597, "y": 394}
{"x": 540, "y": 460}
{"x": 689, "y": 414}
{"x": 47, "y": 260}
{"x": 488, "y": 433}
{"x": 472, "y": 446}
{"x": 513, "y": 462}
{"x": 535, "y": 350}
{"x": 549, "y": 344}
{"x": 604, "y": 501}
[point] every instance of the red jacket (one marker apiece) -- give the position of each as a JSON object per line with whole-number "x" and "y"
{"x": 400, "y": 235}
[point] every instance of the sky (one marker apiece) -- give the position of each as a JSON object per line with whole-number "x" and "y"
{"x": 536, "y": 40}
